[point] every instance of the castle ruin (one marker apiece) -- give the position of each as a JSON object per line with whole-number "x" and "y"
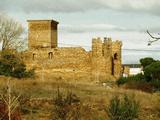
{"x": 103, "y": 62}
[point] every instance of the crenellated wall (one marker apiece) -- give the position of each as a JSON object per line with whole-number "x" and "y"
{"x": 102, "y": 63}
{"x": 106, "y": 59}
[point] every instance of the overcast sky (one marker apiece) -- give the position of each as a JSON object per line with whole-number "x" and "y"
{"x": 81, "y": 20}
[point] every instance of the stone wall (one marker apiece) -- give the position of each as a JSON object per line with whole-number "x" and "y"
{"x": 106, "y": 59}
{"x": 102, "y": 63}
{"x": 117, "y": 58}
{"x": 61, "y": 62}
{"x": 42, "y": 34}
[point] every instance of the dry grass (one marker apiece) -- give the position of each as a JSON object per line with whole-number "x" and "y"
{"x": 94, "y": 95}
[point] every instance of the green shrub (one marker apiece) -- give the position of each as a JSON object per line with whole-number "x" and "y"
{"x": 12, "y": 65}
{"x": 5, "y": 69}
{"x": 156, "y": 85}
{"x": 148, "y": 82}
{"x": 122, "y": 80}
{"x": 138, "y": 77}
{"x": 152, "y": 71}
{"x": 146, "y": 61}
{"x": 21, "y": 72}
{"x": 123, "y": 109}
{"x": 30, "y": 73}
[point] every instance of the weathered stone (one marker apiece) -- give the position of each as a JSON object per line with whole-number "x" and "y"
{"x": 42, "y": 34}
{"x": 103, "y": 62}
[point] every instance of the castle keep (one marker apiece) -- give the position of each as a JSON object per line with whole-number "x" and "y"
{"x": 42, "y": 34}
{"x": 103, "y": 62}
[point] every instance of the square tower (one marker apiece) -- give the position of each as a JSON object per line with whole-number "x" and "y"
{"x": 42, "y": 34}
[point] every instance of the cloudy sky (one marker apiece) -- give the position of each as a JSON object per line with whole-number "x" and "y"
{"x": 81, "y": 20}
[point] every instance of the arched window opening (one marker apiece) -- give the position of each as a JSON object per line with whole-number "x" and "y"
{"x": 115, "y": 56}
{"x": 50, "y": 55}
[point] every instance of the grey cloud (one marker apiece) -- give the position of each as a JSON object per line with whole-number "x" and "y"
{"x": 82, "y": 28}
{"x": 147, "y": 6}
{"x": 155, "y": 30}
{"x": 49, "y": 5}
{"x": 91, "y": 28}
{"x": 128, "y": 58}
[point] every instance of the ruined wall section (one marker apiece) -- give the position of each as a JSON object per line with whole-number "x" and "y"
{"x": 68, "y": 58}
{"x": 117, "y": 58}
{"x": 102, "y": 63}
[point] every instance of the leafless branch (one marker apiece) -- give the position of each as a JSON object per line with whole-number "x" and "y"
{"x": 153, "y": 37}
{"x": 10, "y": 33}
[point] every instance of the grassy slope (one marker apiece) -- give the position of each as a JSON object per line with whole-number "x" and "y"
{"x": 96, "y": 96}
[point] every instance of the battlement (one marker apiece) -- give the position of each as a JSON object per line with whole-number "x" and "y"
{"x": 97, "y": 47}
{"x": 106, "y": 57}
{"x": 117, "y": 43}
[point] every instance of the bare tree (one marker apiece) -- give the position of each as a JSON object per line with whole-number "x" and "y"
{"x": 10, "y": 101}
{"x": 153, "y": 37}
{"x": 10, "y": 33}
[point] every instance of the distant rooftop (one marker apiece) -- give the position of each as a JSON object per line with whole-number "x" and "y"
{"x": 43, "y": 20}
{"x": 132, "y": 65}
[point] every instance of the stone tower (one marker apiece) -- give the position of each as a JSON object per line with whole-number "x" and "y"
{"x": 106, "y": 59}
{"x": 42, "y": 34}
{"x": 108, "y": 55}
{"x": 117, "y": 58}
{"x": 97, "y": 47}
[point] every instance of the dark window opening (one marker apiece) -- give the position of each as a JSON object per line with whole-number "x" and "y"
{"x": 103, "y": 52}
{"x": 50, "y": 55}
{"x": 33, "y": 56}
{"x": 115, "y": 56}
{"x": 112, "y": 69}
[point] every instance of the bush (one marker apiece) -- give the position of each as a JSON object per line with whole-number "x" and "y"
{"x": 146, "y": 61}
{"x": 12, "y": 65}
{"x": 148, "y": 82}
{"x": 156, "y": 85}
{"x": 123, "y": 80}
{"x": 69, "y": 107}
{"x": 64, "y": 105}
{"x": 152, "y": 71}
{"x": 125, "y": 109}
{"x": 21, "y": 72}
{"x": 140, "y": 85}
